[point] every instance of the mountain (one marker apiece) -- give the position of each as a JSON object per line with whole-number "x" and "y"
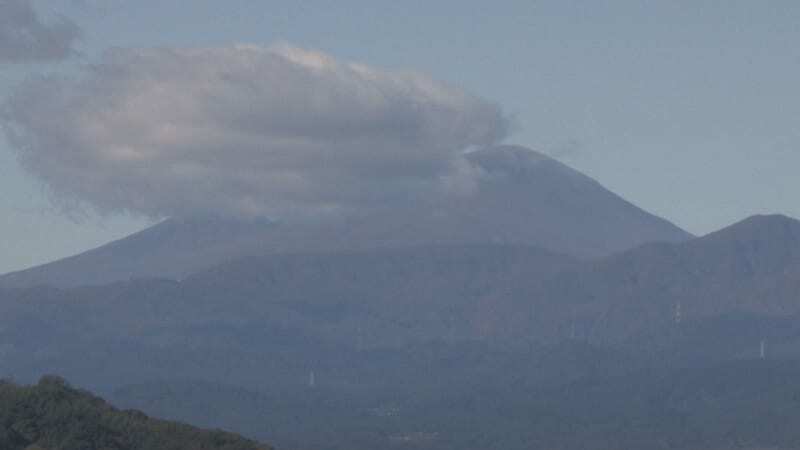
{"x": 280, "y": 316}
{"x": 749, "y": 272}
{"x": 478, "y": 345}
{"x": 276, "y": 314}
{"x": 53, "y": 416}
{"x": 522, "y": 198}
{"x": 716, "y": 296}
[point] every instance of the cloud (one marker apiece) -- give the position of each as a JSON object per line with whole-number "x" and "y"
{"x": 100, "y": 7}
{"x": 24, "y": 37}
{"x": 246, "y": 130}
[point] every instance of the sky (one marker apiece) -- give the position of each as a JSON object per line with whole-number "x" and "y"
{"x": 689, "y": 109}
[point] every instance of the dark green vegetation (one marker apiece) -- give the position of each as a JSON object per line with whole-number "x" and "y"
{"x": 53, "y": 416}
{"x": 447, "y": 347}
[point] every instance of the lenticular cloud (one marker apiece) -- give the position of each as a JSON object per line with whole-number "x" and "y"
{"x": 245, "y": 130}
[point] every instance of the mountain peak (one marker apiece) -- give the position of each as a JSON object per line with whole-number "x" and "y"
{"x": 768, "y": 226}
{"x": 506, "y": 157}
{"x": 770, "y": 220}
{"x": 522, "y": 197}
{"x": 518, "y": 162}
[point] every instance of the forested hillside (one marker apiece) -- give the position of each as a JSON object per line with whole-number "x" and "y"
{"x": 53, "y": 416}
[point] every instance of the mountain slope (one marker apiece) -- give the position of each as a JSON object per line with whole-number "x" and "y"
{"x": 476, "y": 336}
{"x": 521, "y": 198}
{"x": 275, "y": 313}
{"x": 54, "y": 416}
{"x": 280, "y": 313}
{"x": 750, "y": 269}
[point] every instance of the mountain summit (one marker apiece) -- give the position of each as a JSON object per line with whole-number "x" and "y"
{"x": 521, "y": 197}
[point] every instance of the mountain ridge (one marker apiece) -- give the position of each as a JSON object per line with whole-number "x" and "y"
{"x": 396, "y": 328}
{"x": 522, "y": 198}
{"x": 750, "y": 267}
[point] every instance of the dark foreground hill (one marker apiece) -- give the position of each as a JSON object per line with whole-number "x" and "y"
{"x": 53, "y": 416}
{"x": 522, "y": 198}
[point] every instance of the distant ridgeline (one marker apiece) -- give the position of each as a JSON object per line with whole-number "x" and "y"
{"x": 53, "y": 416}
{"x": 690, "y": 345}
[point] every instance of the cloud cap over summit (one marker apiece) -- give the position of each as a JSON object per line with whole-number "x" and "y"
{"x": 245, "y": 130}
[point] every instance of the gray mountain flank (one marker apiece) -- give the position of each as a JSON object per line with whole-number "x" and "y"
{"x": 522, "y": 198}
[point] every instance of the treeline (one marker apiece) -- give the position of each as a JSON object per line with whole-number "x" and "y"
{"x": 54, "y": 416}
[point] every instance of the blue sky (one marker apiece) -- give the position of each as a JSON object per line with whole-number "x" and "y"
{"x": 689, "y": 109}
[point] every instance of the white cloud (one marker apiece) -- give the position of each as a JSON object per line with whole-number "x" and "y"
{"x": 246, "y": 130}
{"x": 24, "y": 37}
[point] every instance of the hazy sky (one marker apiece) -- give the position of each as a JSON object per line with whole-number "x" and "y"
{"x": 690, "y": 109}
